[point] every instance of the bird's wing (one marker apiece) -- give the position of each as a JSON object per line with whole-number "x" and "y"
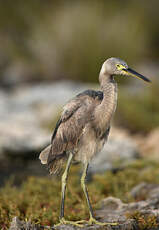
{"x": 76, "y": 114}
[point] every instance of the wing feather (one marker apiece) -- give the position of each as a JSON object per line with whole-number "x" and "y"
{"x": 76, "y": 114}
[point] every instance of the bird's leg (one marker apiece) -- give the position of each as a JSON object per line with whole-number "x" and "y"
{"x": 83, "y": 185}
{"x": 64, "y": 182}
{"x": 63, "y": 189}
{"x": 92, "y": 219}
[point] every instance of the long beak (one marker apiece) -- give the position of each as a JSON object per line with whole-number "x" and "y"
{"x": 133, "y": 73}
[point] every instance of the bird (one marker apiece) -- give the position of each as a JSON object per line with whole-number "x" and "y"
{"x": 83, "y": 129}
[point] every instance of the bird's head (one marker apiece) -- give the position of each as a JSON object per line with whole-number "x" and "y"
{"x": 115, "y": 66}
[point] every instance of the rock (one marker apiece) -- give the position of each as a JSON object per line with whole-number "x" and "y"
{"x": 113, "y": 209}
{"x": 120, "y": 147}
{"x": 24, "y": 112}
{"x": 142, "y": 214}
{"x": 142, "y": 190}
{"x": 149, "y": 145}
{"x": 21, "y": 139}
{"x": 16, "y": 224}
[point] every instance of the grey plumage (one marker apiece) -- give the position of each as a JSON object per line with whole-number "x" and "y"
{"x": 85, "y": 121}
{"x": 83, "y": 128}
{"x": 69, "y": 129}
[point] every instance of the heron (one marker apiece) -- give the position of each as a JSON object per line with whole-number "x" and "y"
{"x": 83, "y": 129}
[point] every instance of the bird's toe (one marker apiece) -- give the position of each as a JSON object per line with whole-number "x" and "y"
{"x": 94, "y": 221}
{"x": 63, "y": 221}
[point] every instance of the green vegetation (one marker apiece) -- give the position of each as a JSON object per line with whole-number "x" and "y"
{"x": 38, "y": 199}
{"x": 144, "y": 222}
{"x": 139, "y": 111}
{"x": 70, "y": 39}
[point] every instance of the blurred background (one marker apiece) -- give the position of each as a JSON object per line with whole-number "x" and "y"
{"x": 52, "y": 50}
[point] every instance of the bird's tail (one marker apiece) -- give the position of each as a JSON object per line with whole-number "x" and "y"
{"x": 55, "y": 163}
{"x": 44, "y": 155}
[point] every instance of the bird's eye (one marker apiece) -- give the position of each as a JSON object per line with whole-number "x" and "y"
{"x": 120, "y": 67}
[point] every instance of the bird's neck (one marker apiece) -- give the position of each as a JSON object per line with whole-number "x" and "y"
{"x": 106, "y": 109}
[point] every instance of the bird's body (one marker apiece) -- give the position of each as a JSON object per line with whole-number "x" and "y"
{"x": 84, "y": 125}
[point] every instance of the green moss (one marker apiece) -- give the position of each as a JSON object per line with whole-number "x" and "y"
{"x": 144, "y": 221}
{"x": 38, "y": 199}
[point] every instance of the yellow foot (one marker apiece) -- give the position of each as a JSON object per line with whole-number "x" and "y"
{"x": 75, "y": 223}
{"x": 94, "y": 221}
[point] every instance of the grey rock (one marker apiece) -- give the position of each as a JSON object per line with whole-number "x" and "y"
{"x": 23, "y": 113}
{"x": 143, "y": 190}
{"x": 16, "y": 224}
{"x": 21, "y": 139}
{"x": 113, "y": 209}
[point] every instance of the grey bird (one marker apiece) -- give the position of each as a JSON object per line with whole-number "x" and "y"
{"x": 83, "y": 128}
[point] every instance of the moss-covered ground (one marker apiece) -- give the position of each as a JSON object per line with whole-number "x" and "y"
{"x": 38, "y": 199}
